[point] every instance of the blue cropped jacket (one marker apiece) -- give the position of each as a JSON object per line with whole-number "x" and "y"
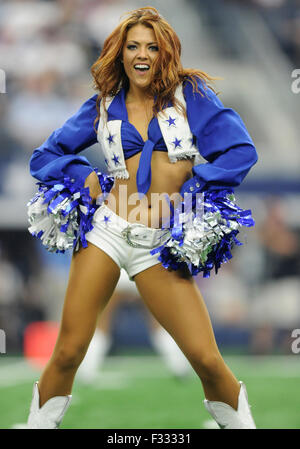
{"x": 218, "y": 132}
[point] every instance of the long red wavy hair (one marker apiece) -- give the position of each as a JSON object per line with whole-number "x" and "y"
{"x": 109, "y": 75}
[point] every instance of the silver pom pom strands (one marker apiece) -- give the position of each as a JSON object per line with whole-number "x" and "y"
{"x": 61, "y": 214}
{"x": 203, "y": 232}
{"x": 203, "y": 228}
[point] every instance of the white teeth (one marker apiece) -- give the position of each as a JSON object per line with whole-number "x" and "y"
{"x": 141, "y": 66}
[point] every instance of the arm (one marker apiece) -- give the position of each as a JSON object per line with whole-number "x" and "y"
{"x": 57, "y": 156}
{"x": 222, "y": 139}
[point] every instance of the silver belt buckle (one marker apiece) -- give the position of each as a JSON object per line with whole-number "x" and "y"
{"x": 126, "y": 233}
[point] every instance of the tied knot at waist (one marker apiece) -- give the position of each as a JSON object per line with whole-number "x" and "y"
{"x": 143, "y": 176}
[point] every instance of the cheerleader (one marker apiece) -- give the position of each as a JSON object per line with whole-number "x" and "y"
{"x": 162, "y": 130}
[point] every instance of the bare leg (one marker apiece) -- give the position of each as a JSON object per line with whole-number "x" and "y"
{"x": 175, "y": 301}
{"x": 105, "y": 318}
{"x": 93, "y": 277}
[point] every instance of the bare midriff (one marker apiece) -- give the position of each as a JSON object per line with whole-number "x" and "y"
{"x": 153, "y": 209}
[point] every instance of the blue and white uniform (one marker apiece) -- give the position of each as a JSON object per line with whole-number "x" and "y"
{"x": 218, "y": 133}
{"x": 211, "y": 133}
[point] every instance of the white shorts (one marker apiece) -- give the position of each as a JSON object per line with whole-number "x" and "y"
{"x": 128, "y": 244}
{"x": 124, "y": 285}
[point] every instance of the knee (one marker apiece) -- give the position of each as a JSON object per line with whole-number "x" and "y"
{"x": 208, "y": 366}
{"x": 68, "y": 356}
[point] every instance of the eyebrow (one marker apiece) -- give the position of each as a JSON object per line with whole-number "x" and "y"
{"x": 135, "y": 42}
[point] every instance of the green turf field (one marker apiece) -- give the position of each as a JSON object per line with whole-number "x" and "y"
{"x": 138, "y": 392}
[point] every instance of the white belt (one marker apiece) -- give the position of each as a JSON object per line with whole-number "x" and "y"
{"x": 136, "y": 235}
{"x": 139, "y": 236}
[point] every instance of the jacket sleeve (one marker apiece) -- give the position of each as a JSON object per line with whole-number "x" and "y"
{"x": 57, "y": 156}
{"x": 222, "y": 139}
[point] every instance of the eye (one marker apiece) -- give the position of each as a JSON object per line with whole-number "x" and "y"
{"x": 153, "y": 48}
{"x": 131, "y": 46}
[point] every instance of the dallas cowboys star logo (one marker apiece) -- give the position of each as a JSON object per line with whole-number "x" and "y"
{"x": 106, "y": 219}
{"x": 110, "y": 139}
{"x": 116, "y": 159}
{"x": 177, "y": 143}
{"x": 171, "y": 121}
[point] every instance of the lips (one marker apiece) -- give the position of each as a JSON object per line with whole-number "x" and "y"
{"x": 142, "y": 67}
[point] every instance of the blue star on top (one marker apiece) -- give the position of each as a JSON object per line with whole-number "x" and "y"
{"x": 110, "y": 139}
{"x": 171, "y": 121}
{"x": 177, "y": 143}
{"x": 106, "y": 219}
{"x": 116, "y": 159}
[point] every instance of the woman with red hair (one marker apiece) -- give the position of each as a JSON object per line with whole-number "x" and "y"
{"x": 155, "y": 121}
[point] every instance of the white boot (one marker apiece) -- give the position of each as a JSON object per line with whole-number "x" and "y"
{"x": 171, "y": 354}
{"x": 229, "y": 418}
{"x": 50, "y": 415}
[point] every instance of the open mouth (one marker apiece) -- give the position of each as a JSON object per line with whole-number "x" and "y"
{"x": 142, "y": 67}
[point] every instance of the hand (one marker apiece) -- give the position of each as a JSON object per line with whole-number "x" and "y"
{"x": 92, "y": 182}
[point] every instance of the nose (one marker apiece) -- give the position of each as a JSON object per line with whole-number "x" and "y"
{"x": 143, "y": 53}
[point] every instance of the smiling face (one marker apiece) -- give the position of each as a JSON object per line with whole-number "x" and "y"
{"x": 139, "y": 53}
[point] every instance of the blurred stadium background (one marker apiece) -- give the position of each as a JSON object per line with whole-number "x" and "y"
{"x": 46, "y": 50}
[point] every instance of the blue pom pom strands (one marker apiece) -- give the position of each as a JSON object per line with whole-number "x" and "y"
{"x": 203, "y": 228}
{"x": 203, "y": 232}
{"x": 61, "y": 215}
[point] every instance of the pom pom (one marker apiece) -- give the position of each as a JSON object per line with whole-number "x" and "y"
{"x": 61, "y": 215}
{"x": 203, "y": 232}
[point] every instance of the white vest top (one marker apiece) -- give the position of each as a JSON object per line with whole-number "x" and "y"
{"x": 174, "y": 127}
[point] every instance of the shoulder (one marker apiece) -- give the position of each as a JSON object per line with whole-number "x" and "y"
{"x": 83, "y": 117}
{"x": 88, "y": 107}
{"x": 197, "y": 91}
{"x": 202, "y": 104}
{"x": 92, "y": 100}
